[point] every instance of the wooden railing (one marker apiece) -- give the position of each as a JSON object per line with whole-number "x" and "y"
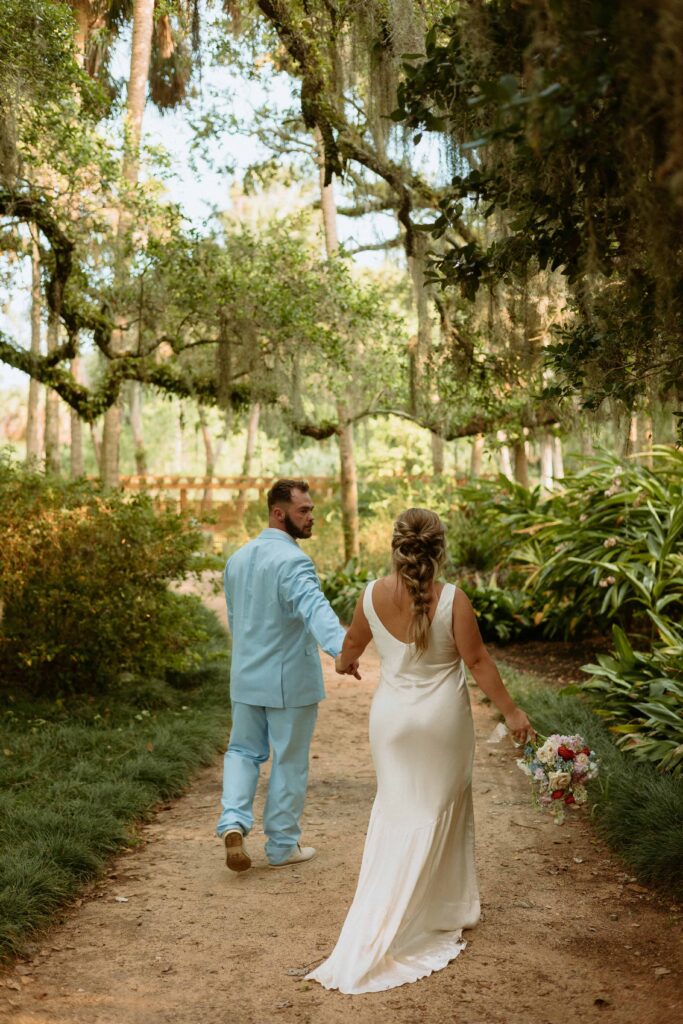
{"x": 229, "y": 494}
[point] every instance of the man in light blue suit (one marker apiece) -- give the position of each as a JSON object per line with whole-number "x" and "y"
{"x": 278, "y": 618}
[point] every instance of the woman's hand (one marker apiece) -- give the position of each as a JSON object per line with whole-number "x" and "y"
{"x": 519, "y": 726}
{"x": 345, "y": 668}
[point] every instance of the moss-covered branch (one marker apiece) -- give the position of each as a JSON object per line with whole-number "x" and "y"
{"x": 449, "y": 432}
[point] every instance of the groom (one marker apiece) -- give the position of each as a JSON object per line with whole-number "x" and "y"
{"x": 278, "y": 618}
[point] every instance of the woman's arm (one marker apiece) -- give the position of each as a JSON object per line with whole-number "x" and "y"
{"x": 487, "y": 677}
{"x": 357, "y": 638}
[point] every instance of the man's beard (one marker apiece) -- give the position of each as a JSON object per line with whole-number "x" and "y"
{"x": 295, "y": 531}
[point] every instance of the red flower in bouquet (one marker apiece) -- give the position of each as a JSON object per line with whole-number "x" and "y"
{"x": 570, "y": 799}
{"x": 566, "y": 753}
{"x": 557, "y": 794}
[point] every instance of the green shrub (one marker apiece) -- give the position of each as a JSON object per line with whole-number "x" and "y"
{"x": 607, "y": 548}
{"x": 343, "y": 587}
{"x": 502, "y": 614}
{"x": 640, "y": 697}
{"x": 603, "y": 553}
{"x": 471, "y": 549}
{"x": 84, "y": 585}
{"x": 637, "y": 810}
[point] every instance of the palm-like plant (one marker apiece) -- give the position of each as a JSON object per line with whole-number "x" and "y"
{"x": 607, "y": 553}
{"x": 175, "y": 42}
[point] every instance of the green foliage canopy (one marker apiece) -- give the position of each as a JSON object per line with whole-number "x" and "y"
{"x": 563, "y": 120}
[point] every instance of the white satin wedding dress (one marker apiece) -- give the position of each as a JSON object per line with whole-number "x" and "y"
{"x": 417, "y": 887}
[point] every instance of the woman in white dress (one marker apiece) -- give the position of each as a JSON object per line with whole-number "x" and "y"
{"x": 417, "y": 887}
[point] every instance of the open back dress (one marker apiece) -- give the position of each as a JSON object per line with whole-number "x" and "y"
{"x": 417, "y": 887}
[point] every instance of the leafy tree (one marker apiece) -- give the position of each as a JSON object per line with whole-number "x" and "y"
{"x": 563, "y": 121}
{"x": 348, "y": 60}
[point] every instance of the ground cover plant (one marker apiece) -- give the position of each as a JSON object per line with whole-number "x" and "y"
{"x": 78, "y": 772}
{"x": 636, "y": 809}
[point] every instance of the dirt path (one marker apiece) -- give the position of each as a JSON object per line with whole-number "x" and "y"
{"x": 171, "y": 935}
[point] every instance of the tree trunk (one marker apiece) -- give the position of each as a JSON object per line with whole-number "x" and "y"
{"x": 53, "y": 460}
{"x": 504, "y": 460}
{"x": 547, "y": 448}
{"x": 96, "y": 446}
{"x": 558, "y": 460}
{"x": 349, "y": 487}
{"x": 252, "y": 435}
{"x": 109, "y": 446}
{"x": 521, "y": 463}
{"x": 135, "y": 399}
{"x": 437, "y": 454}
{"x": 248, "y": 461}
{"x": 210, "y": 460}
{"x": 77, "y": 465}
{"x": 82, "y": 13}
{"x": 33, "y": 444}
{"x": 179, "y": 440}
{"x": 631, "y": 441}
{"x": 476, "y": 456}
{"x": 141, "y": 49}
{"x": 648, "y": 439}
{"x": 419, "y": 348}
{"x": 347, "y": 460}
{"x": 140, "y": 53}
{"x": 586, "y": 442}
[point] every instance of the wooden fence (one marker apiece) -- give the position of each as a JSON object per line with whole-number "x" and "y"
{"x": 225, "y": 496}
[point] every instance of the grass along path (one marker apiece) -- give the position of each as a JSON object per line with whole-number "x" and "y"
{"x": 564, "y": 925}
{"x": 76, "y": 777}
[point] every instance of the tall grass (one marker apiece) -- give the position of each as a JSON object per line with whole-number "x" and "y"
{"x": 635, "y": 808}
{"x": 75, "y": 776}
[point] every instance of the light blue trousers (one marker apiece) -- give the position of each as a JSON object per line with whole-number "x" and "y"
{"x": 254, "y": 732}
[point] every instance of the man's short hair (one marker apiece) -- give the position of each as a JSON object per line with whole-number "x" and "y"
{"x": 281, "y": 491}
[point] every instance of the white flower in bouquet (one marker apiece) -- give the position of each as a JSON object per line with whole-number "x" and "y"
{"x": 559, "y": 780}
{"x": 547, "y": 754}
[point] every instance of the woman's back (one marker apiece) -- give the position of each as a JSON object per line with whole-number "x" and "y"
{"x": 387, "y": 608}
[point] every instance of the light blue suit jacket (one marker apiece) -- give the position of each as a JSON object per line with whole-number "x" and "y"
{"x": 278, "y": 617}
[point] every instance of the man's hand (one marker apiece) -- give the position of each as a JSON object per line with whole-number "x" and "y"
{"x": 348, "y": 670}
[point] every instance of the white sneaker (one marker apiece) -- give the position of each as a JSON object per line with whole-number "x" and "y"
{"x": 236, "y": 856}
{"x": 301, "y": 853}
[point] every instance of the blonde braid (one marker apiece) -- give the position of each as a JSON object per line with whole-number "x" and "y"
{"x": 419, "y": 550}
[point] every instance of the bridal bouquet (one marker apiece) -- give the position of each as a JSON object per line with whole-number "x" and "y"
{"x": 559, "y": 769}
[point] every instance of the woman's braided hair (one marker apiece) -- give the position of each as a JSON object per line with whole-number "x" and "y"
{"x": 419, "y": 551}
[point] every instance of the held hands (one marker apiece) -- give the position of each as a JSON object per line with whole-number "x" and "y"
{"x": 348, "y": 670}
{"x": 519, "y": 726}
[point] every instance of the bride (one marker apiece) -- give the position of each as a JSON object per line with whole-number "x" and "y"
{"x": 417, "y": 887}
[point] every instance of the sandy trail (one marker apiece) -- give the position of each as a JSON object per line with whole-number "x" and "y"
{"x": 565, "y": 935}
